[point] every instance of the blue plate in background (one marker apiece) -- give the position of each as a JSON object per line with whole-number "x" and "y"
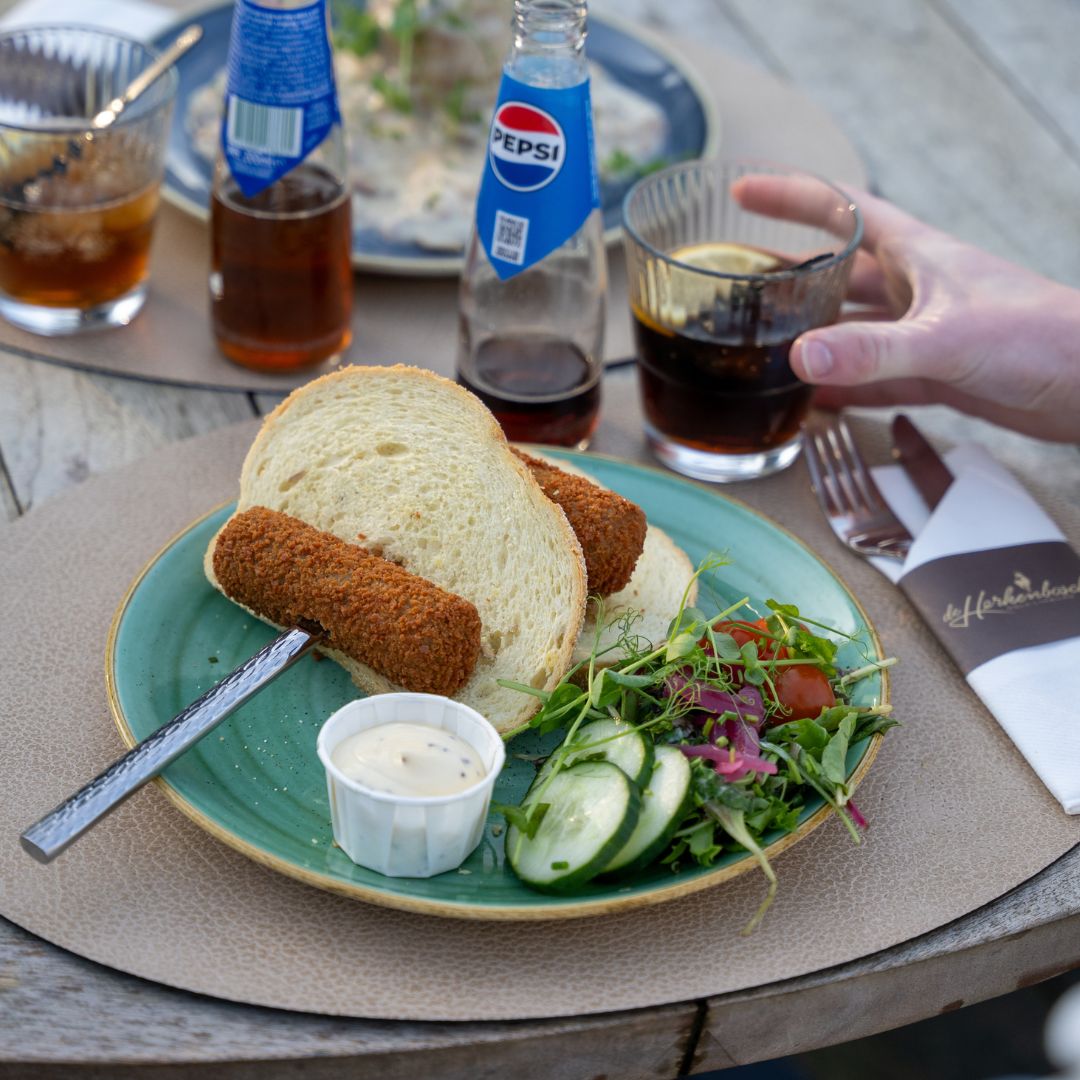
{"x": 624, "y": 52}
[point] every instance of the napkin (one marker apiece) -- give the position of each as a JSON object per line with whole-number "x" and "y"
{"x": 1019, "y": 581}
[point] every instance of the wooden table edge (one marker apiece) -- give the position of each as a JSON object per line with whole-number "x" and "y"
{"x": 850, "y": 1000}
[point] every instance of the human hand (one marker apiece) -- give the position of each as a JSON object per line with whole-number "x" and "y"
{"x": 943, "y": 322}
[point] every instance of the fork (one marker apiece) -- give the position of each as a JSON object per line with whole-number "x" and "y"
{"x": 847, "y": 492}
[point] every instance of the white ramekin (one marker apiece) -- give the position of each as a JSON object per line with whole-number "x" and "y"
{"x": 402, "y": 835}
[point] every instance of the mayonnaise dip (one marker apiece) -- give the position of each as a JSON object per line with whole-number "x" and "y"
{"x": 409, "y": 759}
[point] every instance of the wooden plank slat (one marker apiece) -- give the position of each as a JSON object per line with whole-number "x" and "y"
{"x": 264, "y": 403}
{"x": 58, "y": 426}
{"x": 945, "y": 137}
{"x": 1029, "y": 47}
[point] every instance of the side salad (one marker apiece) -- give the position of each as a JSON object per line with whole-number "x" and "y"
{"x": 677, "y": 753}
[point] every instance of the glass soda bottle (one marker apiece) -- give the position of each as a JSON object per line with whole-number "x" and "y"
{"x": 532, "y": 293}
{"x": 281, "y": 224}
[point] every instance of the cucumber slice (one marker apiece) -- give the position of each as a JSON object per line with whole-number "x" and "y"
{"x": 663, "y": 806}
{"x": 592, "y": 810}
{"x": 614, "y": 741}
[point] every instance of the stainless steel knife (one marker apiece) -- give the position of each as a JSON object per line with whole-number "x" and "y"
{"x": 920, "y": 461}
{"x": 62, "y": 826}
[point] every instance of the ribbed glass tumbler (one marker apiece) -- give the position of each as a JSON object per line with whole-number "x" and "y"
{"x": 718, "y": 293}
{"x": 77, "y": 204}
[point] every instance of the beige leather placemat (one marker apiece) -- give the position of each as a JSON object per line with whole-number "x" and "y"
{"x": 957, "y": 817}
{"x": 402, "y": 320}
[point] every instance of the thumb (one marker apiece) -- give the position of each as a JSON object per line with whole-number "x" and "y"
{"x": 849, "y": 354}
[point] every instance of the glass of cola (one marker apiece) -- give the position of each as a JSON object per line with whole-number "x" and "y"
{"x": 718, "y": 294}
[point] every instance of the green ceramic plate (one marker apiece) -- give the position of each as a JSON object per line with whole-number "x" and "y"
{"x": 256, "y": 784}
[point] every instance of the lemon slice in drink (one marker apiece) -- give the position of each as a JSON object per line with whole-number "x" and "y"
{"x": 688, "y": 294}
{"x": 725, "y": 258}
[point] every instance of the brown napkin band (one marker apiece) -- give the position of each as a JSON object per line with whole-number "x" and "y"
{"x": 982, "y": 604}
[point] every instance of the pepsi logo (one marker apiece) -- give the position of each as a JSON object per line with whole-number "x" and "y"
{"x": 526, "y": 146}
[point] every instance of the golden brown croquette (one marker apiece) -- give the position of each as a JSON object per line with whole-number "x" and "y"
{"x": 610, "y": 529}
{"x": 402, "y": 626}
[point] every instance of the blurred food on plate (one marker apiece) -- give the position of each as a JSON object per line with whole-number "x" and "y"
{"x": 416, "y": 81}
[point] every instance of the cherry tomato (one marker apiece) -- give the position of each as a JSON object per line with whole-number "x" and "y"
{"x": 804, "y": 690}
{"x": 743, "y": 632}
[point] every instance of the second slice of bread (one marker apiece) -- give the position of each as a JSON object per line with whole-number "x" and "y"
{"x": 413, "y": 468}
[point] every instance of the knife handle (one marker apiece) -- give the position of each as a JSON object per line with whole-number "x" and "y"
{"x": 45, "y": 839}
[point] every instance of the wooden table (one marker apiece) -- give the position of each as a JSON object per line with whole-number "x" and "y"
{"x": 968, "y": 113}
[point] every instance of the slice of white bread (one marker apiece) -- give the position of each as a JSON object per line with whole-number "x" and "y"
{"x": 654, "y": 591}
{"x": 414, "y": 468}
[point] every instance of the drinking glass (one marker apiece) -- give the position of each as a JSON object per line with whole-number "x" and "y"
{"x": 76, "y": 217}
{"x": 717, "y": 296}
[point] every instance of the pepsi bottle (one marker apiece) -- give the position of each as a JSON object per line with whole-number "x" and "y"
{"x": 531, "y": 301}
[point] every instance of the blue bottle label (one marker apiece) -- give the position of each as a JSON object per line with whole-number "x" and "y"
{"x": 539, "y": 183}
{"x": 280, "y": 101}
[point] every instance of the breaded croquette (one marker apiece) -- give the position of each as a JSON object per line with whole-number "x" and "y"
{"x": 403, "y": 627}
{"x": 610, "y": 529}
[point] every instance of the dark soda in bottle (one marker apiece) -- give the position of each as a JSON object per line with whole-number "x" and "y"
{"x": 532, "y": 293}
